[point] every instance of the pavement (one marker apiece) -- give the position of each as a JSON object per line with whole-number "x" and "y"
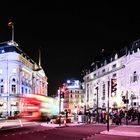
{"x": 121, "y": 130}
{"x": 124, "y": 130}
{"x": 62, "y": 125}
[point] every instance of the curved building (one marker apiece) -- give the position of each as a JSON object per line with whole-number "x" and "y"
{"x": 19, "y": 75}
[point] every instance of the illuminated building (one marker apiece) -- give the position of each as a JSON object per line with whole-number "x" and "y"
{"x": 74, "y": 97}
{"x": 122, "y": 66}
{"x": 19, "y": 74}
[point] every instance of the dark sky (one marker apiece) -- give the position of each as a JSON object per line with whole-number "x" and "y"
{"x": 70, "y": 34}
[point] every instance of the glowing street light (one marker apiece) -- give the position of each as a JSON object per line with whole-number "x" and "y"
{"x": 11, "y": 24}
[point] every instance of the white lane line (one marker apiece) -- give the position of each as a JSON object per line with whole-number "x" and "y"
{"x": 21, "y": 124}
{"x": 3, "y": 124}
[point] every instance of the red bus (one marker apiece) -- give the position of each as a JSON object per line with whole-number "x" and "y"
{"x": 38, "y": 107}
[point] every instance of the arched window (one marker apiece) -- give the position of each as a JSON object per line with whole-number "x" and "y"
{"x": 13, "y": 80}
{"x": 1, "y": 80}
{"x": 13, "y": 89}
{"x": 2, "y": 89}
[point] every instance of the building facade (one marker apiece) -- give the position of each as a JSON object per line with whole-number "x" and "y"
{"x": 19, "y": 75}
{"x": 73, "y": 97}
{"x": 74, "y": 100}
{"x": 123, "y": 67}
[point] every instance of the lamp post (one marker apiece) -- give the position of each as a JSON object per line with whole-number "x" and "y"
{"x": 11, "y": 24}
{"x": 97, "y": 119}
{"x": 7, "y": 88}
{"x": 108, "y": 106}
{"x": 59, "y": 93}
{"x": 126, "y": 115}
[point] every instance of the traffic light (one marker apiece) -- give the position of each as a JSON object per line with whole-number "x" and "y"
{"x": 62, "y": 92}
{"x": 113, "y": 85}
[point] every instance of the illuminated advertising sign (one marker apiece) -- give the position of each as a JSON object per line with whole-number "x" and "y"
{"x": 73, "y": 84}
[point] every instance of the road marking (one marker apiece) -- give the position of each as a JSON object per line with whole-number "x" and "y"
{"x": 21, "y": 124}
{"x": 3, "y": 124}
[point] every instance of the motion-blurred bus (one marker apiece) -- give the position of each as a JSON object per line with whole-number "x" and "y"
{"x": 38, "y": 107}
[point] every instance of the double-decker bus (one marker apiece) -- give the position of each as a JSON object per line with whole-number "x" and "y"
{"x": 38, "y": 107}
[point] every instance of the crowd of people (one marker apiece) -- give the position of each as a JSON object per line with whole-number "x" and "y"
{"x": 115, "y": 116}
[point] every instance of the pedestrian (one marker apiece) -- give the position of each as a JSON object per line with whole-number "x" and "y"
{"x": 139, "y": 114}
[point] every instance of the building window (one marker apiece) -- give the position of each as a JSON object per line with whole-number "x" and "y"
{"x": 25, "y": 90}
{"x": 103, "y": 98}
{"x": 134, "y": 77}
{"x": 87, "y": 78}
{"x": 1, "y": 89}
{"x": 13, "y": 88}
{"x": 114, "y": 75}
{"x": 14, "y": 71}
{"x": 94, "y": 75}
{"x": 22, "y": 90}
{"x": 114, "y": 66}
{"x": 103, "y": 70}
{"x": 13, "y": 80}
{"x": 1, "y": 80}
{"x": 0, "y": 71}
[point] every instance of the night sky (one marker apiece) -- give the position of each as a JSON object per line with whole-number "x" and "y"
{"x": 69, "y": 34}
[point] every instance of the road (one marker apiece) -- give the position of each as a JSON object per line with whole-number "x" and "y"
{"x": 35, "y": 131}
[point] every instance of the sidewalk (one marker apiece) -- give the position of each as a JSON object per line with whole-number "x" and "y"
{"x": 124, "y": 130}
{"x": 62, "y": 125}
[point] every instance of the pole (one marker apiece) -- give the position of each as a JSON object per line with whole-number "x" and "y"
{"x": 97, "y": 106}
{"x": 126, "y": 115}
{"x": 7, "y": 89}
{"x": 108, "y": 107}
{"x": 11, "y": 24}
{"x": 13, "y": 32}
{"x": 59, "y": 107}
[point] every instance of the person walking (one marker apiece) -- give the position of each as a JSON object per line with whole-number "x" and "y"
{"x": 139, "y": 115}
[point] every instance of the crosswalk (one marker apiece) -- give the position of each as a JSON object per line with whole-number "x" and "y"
{"x": 15, "y": 123}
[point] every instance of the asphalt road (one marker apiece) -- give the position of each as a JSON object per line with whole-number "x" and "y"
{"x": 34, "y": 131}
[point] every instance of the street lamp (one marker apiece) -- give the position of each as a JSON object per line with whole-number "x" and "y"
{"x": 108, "y": 106}
{"x": 11, "y": 24}
{"x": 97, "y": 105}
{"x": 59, "y": 93}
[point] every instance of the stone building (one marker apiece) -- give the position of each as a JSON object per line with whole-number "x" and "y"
{"x": 122, "y": 67}
{"x": 19, "y": 75}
